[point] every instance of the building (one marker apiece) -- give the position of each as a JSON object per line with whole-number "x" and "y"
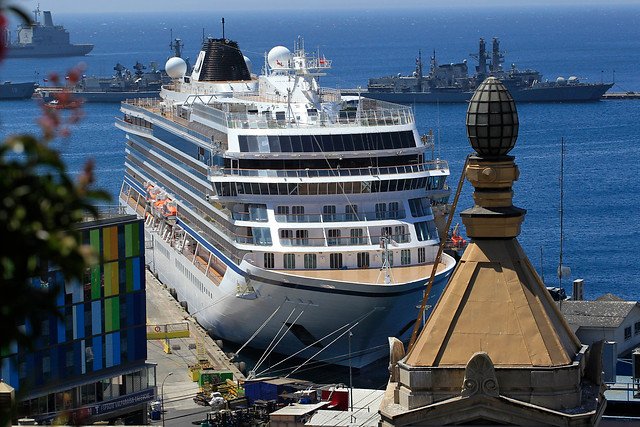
{"x": 495, "y": 350}
{"x": 90, "y": 364}
{"x": 608, "y": 318}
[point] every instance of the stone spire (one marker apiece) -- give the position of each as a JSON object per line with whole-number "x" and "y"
{"x": 495, "y": 339}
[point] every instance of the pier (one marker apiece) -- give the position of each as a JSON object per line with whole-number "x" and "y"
{"x": 175, "y": 355}
{"x": 621, "y": 95}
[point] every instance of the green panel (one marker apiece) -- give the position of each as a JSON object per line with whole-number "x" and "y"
{"x": 107, "y": 279}
{"x": 129, "y": 267}
{"x": 131, "y": 244}
{"x": 95, "y": 282}
{"x": 108, "y": 315}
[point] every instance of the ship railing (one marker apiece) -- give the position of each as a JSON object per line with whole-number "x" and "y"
{"x": 321, "y": 173}
{"x": 128, "y": 125}
{"x": 339, "y": 217}
{"x": 382, "y": 114}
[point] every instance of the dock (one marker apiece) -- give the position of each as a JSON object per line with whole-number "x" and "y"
{"x": 621, "y": 95}
{"x": 165, "y": 313}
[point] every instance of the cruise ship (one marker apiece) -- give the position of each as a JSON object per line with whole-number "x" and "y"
{"x": 282, "y": 215}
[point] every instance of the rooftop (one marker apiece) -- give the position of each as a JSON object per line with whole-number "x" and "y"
{"x": 605, "y": 313}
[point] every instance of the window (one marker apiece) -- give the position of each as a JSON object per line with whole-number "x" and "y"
{"x": 421, "y": 255}
{"x": 627, "y": 333}
{"x": 297, "y": 214}
{"x": 310, "y": 261}
{"x": 335, "y": 260}
{"x": 282, "y": 214}
{"x": 302, "y": 237}
{"x": 357, "y": 236}
{"x": 400, "y": 234}
{"x": 351, "y": 212}
{"x": 333, "y": 237}
{"x": 394, "y": 210}
{"x": 405, "y": 257}
{"x": 261, "y": 236}
{"x": 419, "y": 207}
{"x": 363, "y": 259}
{"x": 268, "y": 260}
{"x": 329, "y": 213}
{"x": 636, "y": 328}
{"x": 286, "y": 237}
{"x": 289, "y": 261}
{"x": 426, "y": 230}
{"x": 381, "y": 210}
{"x": 385, "y": 231}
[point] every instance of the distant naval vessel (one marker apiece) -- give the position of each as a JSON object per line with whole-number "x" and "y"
{"x": 452, "y": 83}
{"x": 39, "y": 40}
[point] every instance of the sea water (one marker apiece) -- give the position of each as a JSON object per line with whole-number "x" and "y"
{"x": 602, "y": 142}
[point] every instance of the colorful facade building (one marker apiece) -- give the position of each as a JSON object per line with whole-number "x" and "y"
{"x": 89, "y": 364}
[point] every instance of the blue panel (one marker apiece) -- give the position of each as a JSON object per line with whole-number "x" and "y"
{"x": 78, "y": 321}
{"x": 108, "y": 350}
{"x": 61, "y": 330}
{"x": 97, "y": 353}
{"x": 138, "y": 271}
{"x": 131, "y": 345}
{"x": 96, "y": 317}
{"x": 6, "y": 366}
{"x": 141, "y": 343}
{"x": 116, "y": 348}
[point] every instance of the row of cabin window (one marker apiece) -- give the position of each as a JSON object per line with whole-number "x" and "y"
{"x": 232, "y": 189}
{"x": 356, "y": 235}
{"x": 393, "y": 210}
{"x": 425, "y": 230}
{"x": 325, "y": 143}
{"x": 335, "y": 260}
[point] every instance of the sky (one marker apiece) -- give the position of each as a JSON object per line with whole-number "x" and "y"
{"x": 141, "y": 6}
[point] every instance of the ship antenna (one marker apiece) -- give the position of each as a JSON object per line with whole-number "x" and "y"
{"x": 223, "y": 28}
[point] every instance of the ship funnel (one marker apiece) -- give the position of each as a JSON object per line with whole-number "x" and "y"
{"x": 48, "y": 21}
{"x": 222, "y": 61}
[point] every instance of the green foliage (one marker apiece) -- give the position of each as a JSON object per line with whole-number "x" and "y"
{"x": 40, "y": 208}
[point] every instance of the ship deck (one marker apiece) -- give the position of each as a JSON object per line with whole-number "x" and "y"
{"x": 370, "y": 276}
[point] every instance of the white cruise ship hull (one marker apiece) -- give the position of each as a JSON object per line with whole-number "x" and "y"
{"x": 326, "y": 309}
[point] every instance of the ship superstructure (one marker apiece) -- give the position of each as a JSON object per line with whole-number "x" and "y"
{"x": 39, "y": 40}
{"x": 283, "y": 214}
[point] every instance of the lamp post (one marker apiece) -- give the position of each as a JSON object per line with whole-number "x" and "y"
{"x": 162, "y": 395}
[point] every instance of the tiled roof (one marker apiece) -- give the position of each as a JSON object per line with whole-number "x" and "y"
{"x": 599, "y": 313}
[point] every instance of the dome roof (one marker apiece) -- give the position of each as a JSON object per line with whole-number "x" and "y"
{"x": 492, "y": 119}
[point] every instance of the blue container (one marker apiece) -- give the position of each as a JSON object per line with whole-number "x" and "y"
{"x": 155, "y": 415}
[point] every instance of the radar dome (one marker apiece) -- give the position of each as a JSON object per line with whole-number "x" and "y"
{"x": 279, "y": 57}
{"x": 248, "y": 62}
{"x": 573, "y": 80}
{"x": 175, "y": 67}
{"x": 561, "y": 81}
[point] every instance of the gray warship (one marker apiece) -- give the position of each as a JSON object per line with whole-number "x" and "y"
{"x": 117, "y": 88}
{"x": 451, "y": 83}
{"x": 12, "y": 91}
{"x": 40, "y": 40}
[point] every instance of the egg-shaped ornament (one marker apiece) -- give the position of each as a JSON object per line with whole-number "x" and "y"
{"x": 492, "y": 119}
{"x": 248, "y": 62}
{"x": 175, "y": 67}
{"x": 279, "y": 57}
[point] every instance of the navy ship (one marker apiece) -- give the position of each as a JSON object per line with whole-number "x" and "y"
{"x": 452, "y": 83}
{"x": 123, "y": 85}
{"x": 10, "y": 91}
{"x": 39, "y": 40}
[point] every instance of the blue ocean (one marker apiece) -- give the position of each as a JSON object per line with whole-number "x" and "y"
{"x": 602, "y": 139}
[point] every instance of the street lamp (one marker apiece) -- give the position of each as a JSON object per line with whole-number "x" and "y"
{"x": 162, "y": 395}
